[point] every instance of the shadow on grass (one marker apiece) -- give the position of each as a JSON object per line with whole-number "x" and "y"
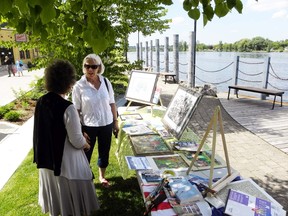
{"x": 122, "y": 198}
{"x": 277, "y": 188}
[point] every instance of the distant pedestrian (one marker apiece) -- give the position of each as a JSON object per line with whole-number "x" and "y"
{"x": 21, "y": 63}
{"x": 8, "y": 62}
{"x": 19, "y": 68}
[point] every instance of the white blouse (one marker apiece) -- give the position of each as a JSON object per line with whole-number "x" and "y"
{"x": 74, "y": 161}
{"x": 94, "y": 104}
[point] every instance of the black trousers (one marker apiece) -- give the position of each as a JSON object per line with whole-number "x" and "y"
{"x": 104, "y": 136}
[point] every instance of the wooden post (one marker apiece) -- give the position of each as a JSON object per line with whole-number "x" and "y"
{"x": 191, "y": 68}
{"x": 146, "y": 51}
{"x": 194, "y": 52}
{"x": 176, "y": 56}
{"x": 151, "y": 54}
{"x": 141, "y": 52}
{"x": 166, "y": 53}
{"x": 265, "y": 76}
{"x": 236, "y": 69}
{"x": 157, "y": 55}
{"x": 137, "y": 51}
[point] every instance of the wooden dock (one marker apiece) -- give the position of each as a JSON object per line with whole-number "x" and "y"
{"x": 256, "y": 115}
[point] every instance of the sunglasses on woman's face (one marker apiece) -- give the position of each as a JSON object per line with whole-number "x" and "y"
{"x": 91, "y": 66}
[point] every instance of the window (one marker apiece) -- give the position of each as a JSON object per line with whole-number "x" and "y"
{"x": 22, "y": 54}
{"x": 27, "y": 54}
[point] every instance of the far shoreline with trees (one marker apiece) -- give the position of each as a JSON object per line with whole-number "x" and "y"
{"x": 255, "y": 44}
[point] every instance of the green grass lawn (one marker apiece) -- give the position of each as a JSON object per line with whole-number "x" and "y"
{"x": 20, "y": 195}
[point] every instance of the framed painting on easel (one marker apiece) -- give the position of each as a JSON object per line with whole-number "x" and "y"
{"x": 142, "y": 87}
{"x": 180, "y": 110}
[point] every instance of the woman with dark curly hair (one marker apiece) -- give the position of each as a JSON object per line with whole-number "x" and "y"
{"x": 65, "y": 177}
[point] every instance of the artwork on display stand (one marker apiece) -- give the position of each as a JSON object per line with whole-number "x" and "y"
{"x": 141, "y": 88}
{"x": 167, "y": 162}
{"x": 132, "y": 116}
{"x": 137, "y": 163}
{"x": 138, "y": 130}
{"x": 149, "y": 144}
{"x": 203, "y": 160}
{"x": 180, "y": 110}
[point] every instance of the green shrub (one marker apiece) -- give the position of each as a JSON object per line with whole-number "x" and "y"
{"x": 12, "y": 116}
{"x": 34, "y": 95}
{"x": 5, "y": 109}
{"x": 22, "y": 95}
{"x": 25, "y": 105}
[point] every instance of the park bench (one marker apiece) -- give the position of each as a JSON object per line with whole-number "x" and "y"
{"x": 257, "y": 90}
{"x": 168, "y": 75}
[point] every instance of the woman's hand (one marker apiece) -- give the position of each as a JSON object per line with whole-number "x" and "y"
{"x": 115, "y": 128}
{"x": 86, "y": 147}
{"x": 86, "y": 137}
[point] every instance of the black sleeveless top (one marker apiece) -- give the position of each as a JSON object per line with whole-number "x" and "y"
{"x": 49, "y": 132}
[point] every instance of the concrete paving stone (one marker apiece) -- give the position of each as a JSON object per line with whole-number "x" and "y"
{"x": 8, "y": 128}
{"x": 265, "y": 169}
{"x": 261, "y": 156}
{"x": 271, "y": 163}
{"x": 280, "y": 173}
{"x": 259, "y": 174}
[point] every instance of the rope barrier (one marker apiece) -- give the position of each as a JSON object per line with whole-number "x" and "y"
{"x": 249, "y": 80}
{"x": 276, "y": 87}
{"x": 275, "y": 75}
{"x": 183, "y": 64}
{"x": 271, "y": 72}
{"x": 256, "y": 74}
{"x": 214, "y": 70}
{"x": 251, "y": 62}
{"x": 212, "y": 82}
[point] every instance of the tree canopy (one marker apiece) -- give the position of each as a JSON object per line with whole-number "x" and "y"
{"x": 209, "y": 8}
{"x": 100, "y": 24}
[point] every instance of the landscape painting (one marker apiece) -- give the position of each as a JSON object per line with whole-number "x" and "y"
{"x": 203, "y": 160}
{"x": 162, "y": 162}
{"x": 149, "y": 144}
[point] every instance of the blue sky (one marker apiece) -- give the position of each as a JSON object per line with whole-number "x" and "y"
{"x": 265, "y": 18}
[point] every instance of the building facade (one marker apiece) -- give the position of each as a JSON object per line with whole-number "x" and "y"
{"x": 15, "y": 53}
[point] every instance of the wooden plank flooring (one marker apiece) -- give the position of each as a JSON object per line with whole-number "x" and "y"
{"x": 257, "y": 116}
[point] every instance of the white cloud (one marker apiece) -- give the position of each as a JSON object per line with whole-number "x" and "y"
{"x": 280, "y": 14}
{"x": 178, "y": 20}
{"x": 266, "y": 5}
{"x": 234, "y": 30}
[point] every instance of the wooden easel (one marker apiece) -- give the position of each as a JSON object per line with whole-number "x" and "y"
{"x": 217, "y": 118}
{"x": 151, "y": 104}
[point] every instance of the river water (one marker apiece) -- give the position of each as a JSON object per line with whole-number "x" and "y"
{"x": 218, "y": 68}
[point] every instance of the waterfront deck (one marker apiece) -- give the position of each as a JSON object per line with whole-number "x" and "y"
{"x": 256, "y": 116}
{"x": 250, "y": 112}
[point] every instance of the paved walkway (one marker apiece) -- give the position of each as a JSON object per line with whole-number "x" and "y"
{"x": 15, "y": 141}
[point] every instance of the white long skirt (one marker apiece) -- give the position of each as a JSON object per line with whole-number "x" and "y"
{"x": 61, "y": 196}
